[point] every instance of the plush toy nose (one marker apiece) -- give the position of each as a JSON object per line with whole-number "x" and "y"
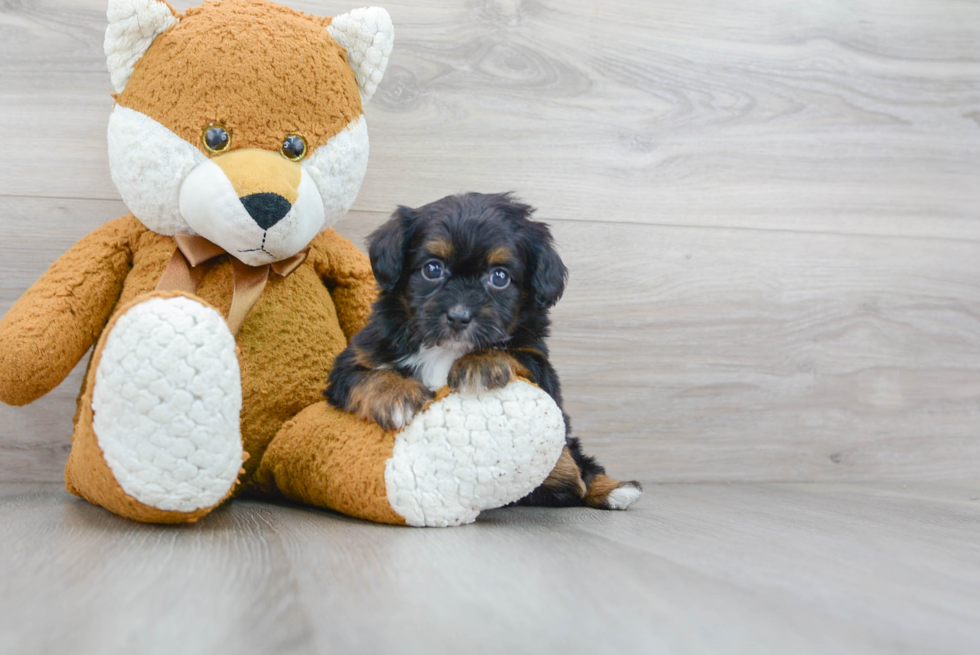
{"x": 266, "y": 183}
{"x": 266, "y": 209}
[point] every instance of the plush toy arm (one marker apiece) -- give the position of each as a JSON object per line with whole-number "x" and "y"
{"x": 347, "y": 273}
{"x": 47, "y": 331}
{"x": 459, "y": 456}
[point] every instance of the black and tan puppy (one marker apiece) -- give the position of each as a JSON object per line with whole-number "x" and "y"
{"x": 466, "y": 284}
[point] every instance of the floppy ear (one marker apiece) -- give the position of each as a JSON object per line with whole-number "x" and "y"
{"x": 133, "y": 25}
{"x": 386, "y": 247}
{"x": 368, "y": 35}
{"x": 548, "y": 272}
{"x": 549, "y": 276}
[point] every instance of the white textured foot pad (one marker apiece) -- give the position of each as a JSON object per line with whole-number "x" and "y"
{"x": 466, "y": 454}
{"x": 167, "y": 401}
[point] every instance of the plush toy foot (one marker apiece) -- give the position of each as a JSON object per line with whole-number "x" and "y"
{"x": 459, "y": 456}
{"x": 158, "y": 435}
{"x": 465, "y": 454}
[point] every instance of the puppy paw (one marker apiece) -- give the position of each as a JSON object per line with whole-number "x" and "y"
{"x": 606, "y": 493}
{"x": 484, "y": 371}
{"x": 389, "y": 399}
{"x": 398, "y": 407}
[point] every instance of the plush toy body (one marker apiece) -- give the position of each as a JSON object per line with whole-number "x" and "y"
{"x": 217, "y": 307}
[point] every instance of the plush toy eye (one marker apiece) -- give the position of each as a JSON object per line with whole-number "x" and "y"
{"x": 216, "y": 139}
{"x": 499, "y": 278}
{"x": 293, "y": 147}
{"x": 433, "y": 270}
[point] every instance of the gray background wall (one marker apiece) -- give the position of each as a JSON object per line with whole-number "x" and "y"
{"x": 769, "y": 210}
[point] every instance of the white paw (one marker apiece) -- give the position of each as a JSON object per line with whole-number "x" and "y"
{"x": 473, "y": 385}
{"x": 400, "y": 417}
{"x": 624, "y": 496}
{"x": 463, "y": 455}
{"x": 167, "y": 403}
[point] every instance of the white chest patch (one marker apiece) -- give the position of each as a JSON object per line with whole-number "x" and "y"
{"x": 431, "y": 365}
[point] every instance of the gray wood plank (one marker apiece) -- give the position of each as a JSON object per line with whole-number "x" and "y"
{"x": 693, "y": 354}
{"x": 35, "y": 440}
{"x": 691, "y": 569}
{"x": 690, "y": 354}
{"x": 836, "y": 339}
{"x": 845, "y": 116}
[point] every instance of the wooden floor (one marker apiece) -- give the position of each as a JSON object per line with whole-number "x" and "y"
{"x": 771, "y": 213}
{"x": 697, "y": 568}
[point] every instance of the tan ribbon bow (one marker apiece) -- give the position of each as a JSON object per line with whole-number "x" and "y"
{"x": 184, "y": 273}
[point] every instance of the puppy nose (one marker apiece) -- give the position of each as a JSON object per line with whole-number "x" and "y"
{"x": 459, "y": 317}
{"x": 266, "y": 209}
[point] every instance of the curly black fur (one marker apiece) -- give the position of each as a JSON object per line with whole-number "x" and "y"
{"x": 469, "y": 237}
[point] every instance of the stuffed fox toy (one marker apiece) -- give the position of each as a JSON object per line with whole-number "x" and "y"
{"x": 217, "y": 306}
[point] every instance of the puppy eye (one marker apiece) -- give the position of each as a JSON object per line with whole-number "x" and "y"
{"x": 433, "y": 270}
{"x": 216, "y": 139}
{"x": 293, "y": 147}
{"x": 499, "y": 278}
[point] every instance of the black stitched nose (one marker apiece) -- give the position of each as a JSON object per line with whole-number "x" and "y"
{"x": 459, "y": 317}
{"x": 266, "y": 209}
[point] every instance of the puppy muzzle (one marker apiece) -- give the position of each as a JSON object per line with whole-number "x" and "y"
{"x": 459, "y": 318}
{"x": 463, "y": 320}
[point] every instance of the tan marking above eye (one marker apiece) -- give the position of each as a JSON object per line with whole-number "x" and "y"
{"x": 441, "y": 248}
{"x": 499, "y": 256}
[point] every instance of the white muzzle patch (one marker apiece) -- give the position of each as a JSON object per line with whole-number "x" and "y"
{"x": 211, "y": 207}
{"x": 173, "y": 188}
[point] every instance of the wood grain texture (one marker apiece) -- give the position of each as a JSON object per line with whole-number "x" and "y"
{"x": 694, "y": 354}
{"x": 699, "y": 354}
{"x": 769, "y": 212}
{"x": 837, "y": 116}
{"x": 691, "y": 569}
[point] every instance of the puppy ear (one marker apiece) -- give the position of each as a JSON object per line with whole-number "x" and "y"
{"x": 549, "y": 273}
{"x": 386, "y": 248}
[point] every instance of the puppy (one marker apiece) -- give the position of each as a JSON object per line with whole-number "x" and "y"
{"x": 465, "y": 284}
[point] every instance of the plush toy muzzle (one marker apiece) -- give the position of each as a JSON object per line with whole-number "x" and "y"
{"x": 206, "y": 139}
{"x": 256, "y": 204}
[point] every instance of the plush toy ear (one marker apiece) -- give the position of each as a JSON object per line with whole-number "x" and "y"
{"x": 368, "y": 35}
{"x": 386, "y": 247}
{"x": 133, "y": 25}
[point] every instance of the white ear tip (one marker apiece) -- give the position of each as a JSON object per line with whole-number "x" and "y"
{"x": 368, "y": 36}
{"x": 133, "y": 25}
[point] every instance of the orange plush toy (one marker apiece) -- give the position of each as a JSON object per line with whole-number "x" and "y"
{"x": 218, "y": 305}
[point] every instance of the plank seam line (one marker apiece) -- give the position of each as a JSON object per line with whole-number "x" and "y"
{"x": 698, "y": 226}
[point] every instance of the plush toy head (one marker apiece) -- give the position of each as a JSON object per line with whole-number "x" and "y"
{"x": 220, "y": 132}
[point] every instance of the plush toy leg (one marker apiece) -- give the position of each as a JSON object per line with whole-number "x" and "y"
{"x": 157, "y": 434}
{"x": 461, "y": 455}
{"x": 328, "y": 458}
